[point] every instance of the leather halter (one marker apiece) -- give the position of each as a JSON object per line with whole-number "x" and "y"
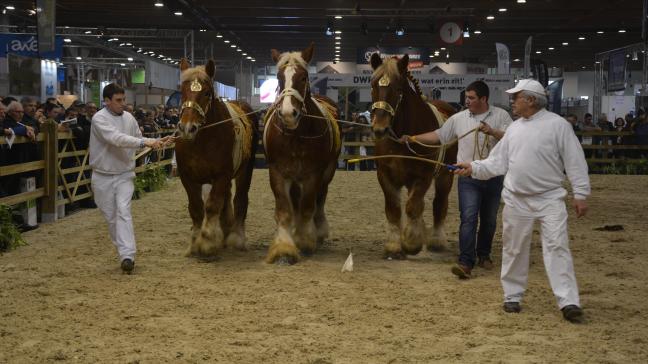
{"x": 196, "y": 87}
{"x": 384, "y": 105}
{"x": 294, "y": 93}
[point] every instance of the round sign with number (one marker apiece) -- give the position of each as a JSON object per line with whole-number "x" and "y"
{"x": 450, "y": 32}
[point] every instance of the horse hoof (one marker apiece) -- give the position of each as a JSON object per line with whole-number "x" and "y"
{"x": 285, "y": 261}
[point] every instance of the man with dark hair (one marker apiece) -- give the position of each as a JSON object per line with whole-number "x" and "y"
{"x": 114, "y": 138}
{"x": 535, "y": 154}
{"x": 478, "y": 200}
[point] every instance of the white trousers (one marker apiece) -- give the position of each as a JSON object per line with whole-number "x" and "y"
{"x": 113, "y": 194}
{"x": 519, "y": 215}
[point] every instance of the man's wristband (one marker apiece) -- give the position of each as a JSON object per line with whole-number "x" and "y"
{"x": 142, "y": 144}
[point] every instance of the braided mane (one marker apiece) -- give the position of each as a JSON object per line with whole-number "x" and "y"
{"x": 414, "y": 82}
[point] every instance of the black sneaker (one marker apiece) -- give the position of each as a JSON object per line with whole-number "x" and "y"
{"x": 127, "y": 266}
{"x": 512, "y": 307}
{"x": 573, "y": 314}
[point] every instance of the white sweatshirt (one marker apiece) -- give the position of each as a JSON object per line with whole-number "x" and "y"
{"x": 113, "y": 142}
{"x": 534, "y": 154}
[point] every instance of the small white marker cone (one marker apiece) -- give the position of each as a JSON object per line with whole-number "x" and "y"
{"x": 348, "y": 264}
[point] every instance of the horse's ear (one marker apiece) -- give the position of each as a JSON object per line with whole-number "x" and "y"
{"x": 402, "y": 64}
{"x": 184, "y": 64}
{"x": 307, "y": 54}
{"x": 210, "y": 68}
{"x": 376, "y": 61}
{"x": 275, "y": 55}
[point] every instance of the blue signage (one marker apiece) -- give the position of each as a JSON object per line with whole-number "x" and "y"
{"x": 27, "y": 45}
{"x": 416, "y": 54}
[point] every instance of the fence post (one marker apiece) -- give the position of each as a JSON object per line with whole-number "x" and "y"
{"x": 50, "y": 154}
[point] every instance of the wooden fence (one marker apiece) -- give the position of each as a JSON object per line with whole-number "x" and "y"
{"x": 64, "y": 168}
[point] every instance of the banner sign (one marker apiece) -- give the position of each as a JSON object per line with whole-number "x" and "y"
{"x": 555, "y": 96}
{"x": 27, "y": 45}
{"x": 46, "y": 19}
{"x": 617, "y": 71}
{"x": 527, "y": 58}
{"x": 417, "y": 55}
{"x": 503, "y": 59}
{"x": 443, "y": 86}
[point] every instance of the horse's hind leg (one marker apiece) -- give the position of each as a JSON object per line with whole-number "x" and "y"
{"x": 196, "y": 212}
{"x": 210, "y": 240}
{"x": 283, "y": 249}
{"x": 321, "y": 223}
{"x": 414, "y": 233}
{"x": 393, "y": 249}
{"x": 305, "y": 234}
{"x": 442, "y": 187}
{"x": 236, "y": 237}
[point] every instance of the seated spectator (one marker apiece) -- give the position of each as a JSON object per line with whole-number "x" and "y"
{"x": 640, "y": 128}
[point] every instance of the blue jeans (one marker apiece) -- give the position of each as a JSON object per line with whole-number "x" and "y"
{"x": 477, "y": 200}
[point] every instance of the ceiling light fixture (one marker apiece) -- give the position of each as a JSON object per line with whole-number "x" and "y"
{"x": 516, "y": 60}
{"x": 600, "y": 32}
{"x": 178, "y": 13}
{"x": 551, "y": 48}
{"x": 219, "y": 35}
{"x": 233, "y": 46}
{"x": 10, "y": 7}
{"x": 338, "y": 32}
{"x": 78, "y": 58}
{"x": 130, "y": 59}
{"x": 122, "y": 64}
{"x": 338, "y": 38}
{"x": 466, "y": 30}
{"x": 490, "y": 17}
{"x": 88, "y": 32}
{"x": 158, "y": 4}
{"x": 338, "y": 17}
{"x": 581, "y": 38}
{"x": 538, "y": 52}
{"x": 502, "y": 10}
{"x": 67, "y": 40}
{"x": 565, "y": 43}
{"x": 622, "y": 31}
{"x": 400, "y": 31}
{"x": 521, "y": 1}
{"x": 477, "y": 32}
{"x": 226, "y": 41}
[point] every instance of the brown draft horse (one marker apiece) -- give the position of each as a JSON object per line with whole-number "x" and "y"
{"x": 302, "y": 145}
{"x": 399, "y": 109}
{"x": 209, "y": 152}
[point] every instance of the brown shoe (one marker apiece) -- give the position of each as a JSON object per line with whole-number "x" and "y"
{"x": 461, "y": 271}
{"x": 485, "y": 262}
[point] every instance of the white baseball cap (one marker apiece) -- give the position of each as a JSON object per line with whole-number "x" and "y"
{"x": 528, "y": 85}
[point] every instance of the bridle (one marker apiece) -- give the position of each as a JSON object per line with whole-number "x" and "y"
{"x": 197, "y": 87}
{"x": 294, "y": 93}
{"x": 384, "y": 105}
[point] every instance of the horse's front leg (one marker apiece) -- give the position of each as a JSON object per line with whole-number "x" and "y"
{"x": 210, "y": 240}
{"x": 414, "y": 233}
{"x": 305, "y": 232}
{"x": 391, "y": 192}
{"x": 283, "y": 249}
{"x": 442, "y": 187}
{"x": 196, "y": 212}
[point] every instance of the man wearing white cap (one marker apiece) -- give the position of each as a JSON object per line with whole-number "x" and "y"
{"x": 534, "y": 154}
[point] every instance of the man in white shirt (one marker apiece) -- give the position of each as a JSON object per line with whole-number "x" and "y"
{"x": 535, "y": 153}
{"x": 114, "y": 138}
{"x": 478, "y": 200}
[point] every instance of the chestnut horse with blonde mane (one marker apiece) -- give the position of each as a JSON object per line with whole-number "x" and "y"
{"x": 216, "y": 144}
{"x": 302, "y": 145}
{"x": 398, "y": 109}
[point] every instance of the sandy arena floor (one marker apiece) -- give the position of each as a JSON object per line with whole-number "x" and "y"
{"x": 63, "y": 297}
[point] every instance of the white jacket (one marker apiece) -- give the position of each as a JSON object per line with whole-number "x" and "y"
{"x": 113, "y": 142}
{"x": 534, "y": 154}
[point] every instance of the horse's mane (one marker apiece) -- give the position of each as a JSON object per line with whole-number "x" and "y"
{"x": 291, "y": 58}
{"x": 195, "y": 72}
{"x": 390, "y": 68}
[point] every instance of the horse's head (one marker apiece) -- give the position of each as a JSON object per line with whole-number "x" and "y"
{"x": 294, "y": 88}
{"x": 387, "y": 86}
{"x": 197, "y": 95}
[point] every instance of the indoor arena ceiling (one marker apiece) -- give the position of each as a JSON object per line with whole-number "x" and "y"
{"x": 257, "y": 26}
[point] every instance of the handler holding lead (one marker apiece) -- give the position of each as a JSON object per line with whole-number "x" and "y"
{"x": 114, "y": 138}
{"x": 536, "y": 151}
